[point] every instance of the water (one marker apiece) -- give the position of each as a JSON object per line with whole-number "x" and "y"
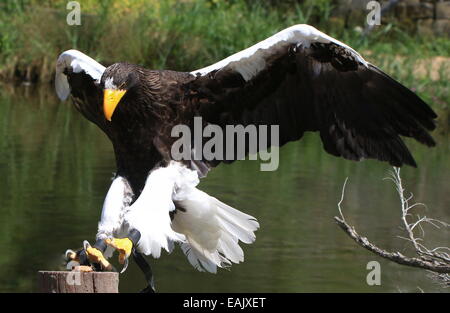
{"x": 55, "y": 169}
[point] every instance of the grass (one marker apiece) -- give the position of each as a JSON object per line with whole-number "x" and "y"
{"x": 185, "y": 35}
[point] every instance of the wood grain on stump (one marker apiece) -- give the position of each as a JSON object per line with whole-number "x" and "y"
{"x": 78, "y": 282}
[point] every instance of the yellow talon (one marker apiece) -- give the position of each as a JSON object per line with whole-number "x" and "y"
{"x": 96, "y": 256}
{"x": 123, "y": 246}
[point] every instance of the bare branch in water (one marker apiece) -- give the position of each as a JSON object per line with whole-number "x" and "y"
{"x": 436, "y": 260}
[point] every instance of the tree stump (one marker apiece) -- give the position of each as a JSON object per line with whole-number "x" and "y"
{"x": 78, "y": 282}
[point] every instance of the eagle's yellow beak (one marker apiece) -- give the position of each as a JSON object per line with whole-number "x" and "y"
{"x": 111, "y": 98}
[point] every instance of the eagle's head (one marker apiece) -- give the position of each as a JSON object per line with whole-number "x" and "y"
{"x": 119, "y": 81}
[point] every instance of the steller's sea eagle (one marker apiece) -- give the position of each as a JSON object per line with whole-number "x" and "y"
{"x": 300, "y": 79}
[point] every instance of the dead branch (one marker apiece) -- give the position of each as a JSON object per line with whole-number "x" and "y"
{"x": 436, "y": 260}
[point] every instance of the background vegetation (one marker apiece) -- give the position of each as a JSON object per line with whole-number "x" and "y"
{"x": 185, "y": 35}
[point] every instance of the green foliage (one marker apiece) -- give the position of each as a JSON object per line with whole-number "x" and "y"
{"x": 184, "y": 35}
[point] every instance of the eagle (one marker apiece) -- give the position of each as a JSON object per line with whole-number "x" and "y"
{"x": 299, "y": 79}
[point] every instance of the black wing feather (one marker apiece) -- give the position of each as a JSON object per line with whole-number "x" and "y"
{"x": 359, "y": 110}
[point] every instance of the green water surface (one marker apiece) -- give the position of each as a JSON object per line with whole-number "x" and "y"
{"x": 56, "y": 167}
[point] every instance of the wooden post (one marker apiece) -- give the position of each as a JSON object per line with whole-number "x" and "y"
{"x": 78, "y": 282}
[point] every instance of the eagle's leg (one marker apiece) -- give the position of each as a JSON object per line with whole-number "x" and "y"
{"x": 127, "y": 246}
{"x": 146, "y": 268}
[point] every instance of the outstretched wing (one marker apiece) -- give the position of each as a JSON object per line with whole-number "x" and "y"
{"x": 304, "y": 80}
{"x": 79, "y": 75}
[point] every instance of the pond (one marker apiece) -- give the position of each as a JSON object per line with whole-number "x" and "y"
{"x": 56, "y": 167}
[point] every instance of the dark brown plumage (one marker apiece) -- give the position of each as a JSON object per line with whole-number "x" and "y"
{"x": 359, "y": 111}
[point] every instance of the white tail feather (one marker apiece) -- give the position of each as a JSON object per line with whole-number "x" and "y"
{"x": 237, "y": 223}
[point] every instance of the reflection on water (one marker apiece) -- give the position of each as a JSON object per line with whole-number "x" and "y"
{"x": 55, "y": 169}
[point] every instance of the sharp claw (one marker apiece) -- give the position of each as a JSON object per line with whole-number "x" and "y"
{"x": 72, "y": 259}
{"x": 70, "y": 255}
{"x": 86, "y": 245}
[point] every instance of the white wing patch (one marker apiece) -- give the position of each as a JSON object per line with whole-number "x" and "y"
{"x": 251, "y": 61}
{"x": 77, "y": 62}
